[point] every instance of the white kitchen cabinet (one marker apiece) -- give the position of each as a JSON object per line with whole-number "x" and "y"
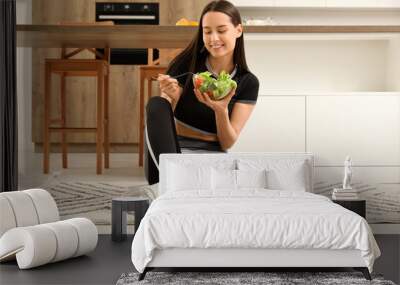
{"x": 325, "y": 65}
{"x": 352, "y": 3}
{"x": 330, "y": 94}
{"x": 388, "y": 3}
{"x": 363, "y": 3}
{"x": 253, "y": 3}
{"x": 277, "y": 124}
{"x": 318, "y": 3}
{"x": 300, "y": 4}
{"x": 365, "y": 127}
{"x": 279, "y": 3}
{"x": 342, "y": 91}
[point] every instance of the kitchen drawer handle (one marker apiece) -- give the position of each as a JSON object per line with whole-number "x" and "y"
{"x": 127, "y": 17}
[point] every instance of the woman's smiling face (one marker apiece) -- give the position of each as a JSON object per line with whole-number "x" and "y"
{"x": 219, "y": 34}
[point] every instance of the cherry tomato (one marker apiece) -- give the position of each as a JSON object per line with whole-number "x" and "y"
{"x": 198, "y": 82}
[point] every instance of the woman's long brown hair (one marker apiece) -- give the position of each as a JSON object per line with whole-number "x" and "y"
{"x": 195, "y": 53}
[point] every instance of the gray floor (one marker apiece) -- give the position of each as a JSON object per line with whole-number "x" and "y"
{"x": 103, "y": 266}
{"x": 111, "y": 259}
{"x": 388, "y": 264}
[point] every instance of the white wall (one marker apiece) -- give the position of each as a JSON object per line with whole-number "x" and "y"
{"x": 24, "y": 90}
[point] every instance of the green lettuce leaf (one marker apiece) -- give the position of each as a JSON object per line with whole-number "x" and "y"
{"x": 220, "y": 87}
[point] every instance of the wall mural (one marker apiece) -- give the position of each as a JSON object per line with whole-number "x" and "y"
{"x": 383, "y": 200}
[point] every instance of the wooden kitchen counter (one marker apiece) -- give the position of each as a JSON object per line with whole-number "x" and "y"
{"x": 145, "y": 36}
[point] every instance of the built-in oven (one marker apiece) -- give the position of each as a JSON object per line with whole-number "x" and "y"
{"x": 129, "y": 14}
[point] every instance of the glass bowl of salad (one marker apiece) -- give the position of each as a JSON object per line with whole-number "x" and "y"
{"x": 216, "y": 88}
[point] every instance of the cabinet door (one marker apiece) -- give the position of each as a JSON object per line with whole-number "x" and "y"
{"x": 253, "y": 3}
{"x": 352, "y": 3}
{"x": 277, "y": 124}
{"x": 388, "y": 3}
{"x": 300, "y": 3}
{"x": 366, "y": 127}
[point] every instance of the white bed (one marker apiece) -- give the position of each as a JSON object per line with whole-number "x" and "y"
{"x": 247, "y": 210}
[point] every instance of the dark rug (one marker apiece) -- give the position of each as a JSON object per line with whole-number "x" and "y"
{"x": 269, "y": 278}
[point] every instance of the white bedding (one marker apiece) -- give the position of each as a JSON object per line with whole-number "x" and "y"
{"x": 251, "y": 218}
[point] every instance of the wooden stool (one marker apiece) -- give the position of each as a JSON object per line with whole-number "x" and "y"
{"x": 78, "y": 67}
{"x": 147, "y": 72}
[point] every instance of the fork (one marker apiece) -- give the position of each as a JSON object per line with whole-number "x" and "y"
{"x": 176, "y": 76}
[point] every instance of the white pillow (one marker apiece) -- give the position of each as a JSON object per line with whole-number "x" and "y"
{"x": 223, "y": 179}
{"x": 183, "y": 177}
{"x": 288, "y": 178}
{"x": 251, "y": 178}
{"x": 229, "y": 179}
{"x": 220, "y": 161}
{"x": 282, "y": 174}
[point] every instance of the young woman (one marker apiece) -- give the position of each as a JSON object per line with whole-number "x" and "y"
{"x": 183, "y": 119}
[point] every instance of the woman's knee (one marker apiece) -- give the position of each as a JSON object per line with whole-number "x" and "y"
{"x": 157, "y": 103}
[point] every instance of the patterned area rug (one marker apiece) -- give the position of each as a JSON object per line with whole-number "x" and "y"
{"x": 92, "y": 199}
{"x": 242, "y": 278}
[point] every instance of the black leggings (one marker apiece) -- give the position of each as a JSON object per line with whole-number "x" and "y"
{"x": 160, "y": 135}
